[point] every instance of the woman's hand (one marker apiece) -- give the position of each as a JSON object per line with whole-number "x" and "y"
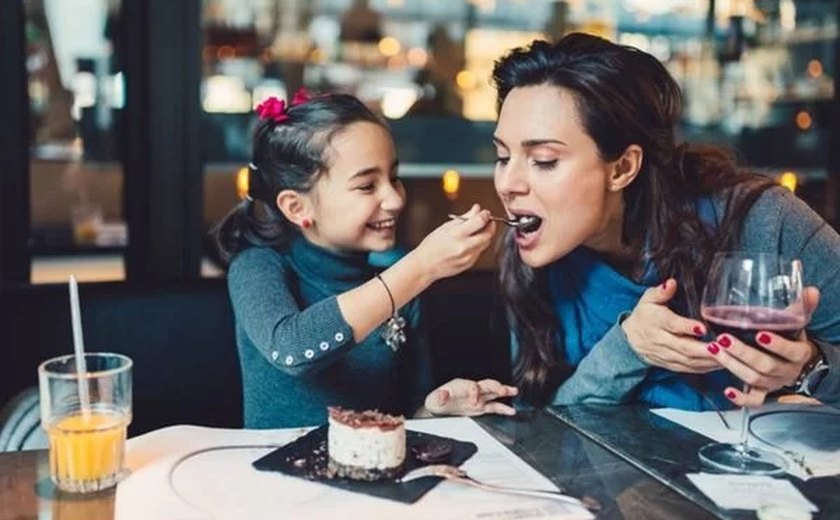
{"x": 665, "y": 339}
{"x": 466, "y": 397}
{"x": 755, "y": 396}
{"x": 776, "y": 364}
{"x": 779, "y": 364}
{"x": 455, "y": 245}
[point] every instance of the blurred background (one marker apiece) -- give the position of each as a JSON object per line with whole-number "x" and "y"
{"x": 127, "y": 123}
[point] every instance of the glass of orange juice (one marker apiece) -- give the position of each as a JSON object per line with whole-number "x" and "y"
{"x": 86, "y": 417}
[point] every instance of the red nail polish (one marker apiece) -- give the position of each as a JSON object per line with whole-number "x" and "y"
{"x": 730, "y": 394}
{"x": 764, "y": 338}
{"x": 713, "y": 348}
{"x": 725, "y": 342}
{"x": 698, "y": 330}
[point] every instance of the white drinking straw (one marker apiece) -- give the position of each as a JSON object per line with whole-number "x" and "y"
{"x": 79, "y": 346}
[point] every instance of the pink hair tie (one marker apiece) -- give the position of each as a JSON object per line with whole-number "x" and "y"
{"x": 277, "y": 110}
{"x": 301, "y": 96}
{"x": 274, "y": 109}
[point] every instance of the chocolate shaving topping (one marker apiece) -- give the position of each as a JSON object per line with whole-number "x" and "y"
{"x": 365, "y": 419}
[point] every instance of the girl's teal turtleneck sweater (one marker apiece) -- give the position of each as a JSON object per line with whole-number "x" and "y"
{"x": 296, "y": 350}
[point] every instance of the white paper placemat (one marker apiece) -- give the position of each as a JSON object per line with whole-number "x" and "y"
{"x": 806, "y": 435}
{"x": 752, "y": 492}
{"x": 221, "y": 484}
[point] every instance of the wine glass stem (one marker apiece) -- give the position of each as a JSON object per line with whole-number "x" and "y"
{"x": 745, "y": 421}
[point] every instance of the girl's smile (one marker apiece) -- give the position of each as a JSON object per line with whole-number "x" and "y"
{"x": 356, "y": 203}
{"x": 387, "y": 225}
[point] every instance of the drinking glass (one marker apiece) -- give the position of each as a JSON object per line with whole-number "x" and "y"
{"x": 86, "y": 220}
{"x": 86, "y": 426}
{"x": 746, "y": 293}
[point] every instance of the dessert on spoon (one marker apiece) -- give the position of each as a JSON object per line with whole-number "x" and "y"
{"x": 523, "y": 223}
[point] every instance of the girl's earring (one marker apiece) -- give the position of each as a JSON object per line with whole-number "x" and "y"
{"x": 306, "y": 223}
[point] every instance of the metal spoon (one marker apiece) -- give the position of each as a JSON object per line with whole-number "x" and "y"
{"x": 519, "y": 223}
{"x": 456, "y": 474}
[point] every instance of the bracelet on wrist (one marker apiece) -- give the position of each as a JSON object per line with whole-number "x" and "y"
{"x": 812, "y": 373}
{"x": 394, "y": 333}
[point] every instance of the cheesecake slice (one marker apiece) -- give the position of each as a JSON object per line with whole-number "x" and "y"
{"x": 366, "y": 445}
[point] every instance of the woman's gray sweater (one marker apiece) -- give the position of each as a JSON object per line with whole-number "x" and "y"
{"x": 779, "y": 222}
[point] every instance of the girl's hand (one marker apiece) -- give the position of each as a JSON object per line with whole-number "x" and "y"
{"x": 665, "y": 339}
{"x": 777, "y": 365}
{"x": 466, "y": 397}
{"x": 456, "y": 245}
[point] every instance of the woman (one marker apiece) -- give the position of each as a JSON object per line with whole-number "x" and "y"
{"x": 603, "y": 290}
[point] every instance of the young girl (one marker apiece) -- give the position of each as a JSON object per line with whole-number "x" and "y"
{"x": 316, "y": 323}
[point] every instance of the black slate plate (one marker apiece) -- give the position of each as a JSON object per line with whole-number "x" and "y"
{"x": 306, "y": 457}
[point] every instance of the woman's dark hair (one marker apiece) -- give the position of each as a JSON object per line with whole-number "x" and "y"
{"x": 623, "y": 96}
{"x": 287, "y": 155}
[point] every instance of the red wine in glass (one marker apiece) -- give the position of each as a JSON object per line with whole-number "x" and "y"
{"x": 745, "y": 322}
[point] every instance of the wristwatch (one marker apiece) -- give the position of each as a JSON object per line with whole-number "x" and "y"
{"x": 811, "y": 375}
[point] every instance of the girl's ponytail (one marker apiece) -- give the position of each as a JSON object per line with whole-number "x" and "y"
{"x": 229, "y": 233}
{"x": 247, "y": 225}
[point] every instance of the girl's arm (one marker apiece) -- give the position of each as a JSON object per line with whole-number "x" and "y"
{"x": 292, "y": 339}
{"x": 448, "y": 250}
{"x": 297, "y": 340}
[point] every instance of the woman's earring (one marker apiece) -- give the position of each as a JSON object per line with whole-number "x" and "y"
{"x": 306, "y": 223}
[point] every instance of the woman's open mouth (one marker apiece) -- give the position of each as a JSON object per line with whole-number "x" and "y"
{"x": 527, "y": 226}
{"x": 526, "y": 223}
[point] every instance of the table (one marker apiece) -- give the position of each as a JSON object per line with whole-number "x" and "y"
{"x": 666, "y": 452}
{"x": 562, "y": 451}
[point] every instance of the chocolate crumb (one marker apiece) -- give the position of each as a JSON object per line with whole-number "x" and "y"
{"x": 433, "y": 451}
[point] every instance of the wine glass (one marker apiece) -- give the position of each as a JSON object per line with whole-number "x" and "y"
{"x": 746, "y": 293}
